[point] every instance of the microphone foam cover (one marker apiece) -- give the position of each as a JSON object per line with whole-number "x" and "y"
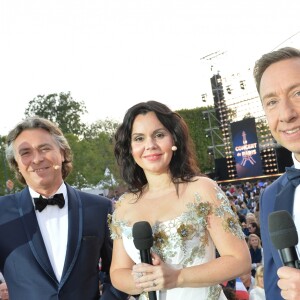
{"x": 282, "y": 230}
{"x": 142, "y": 235}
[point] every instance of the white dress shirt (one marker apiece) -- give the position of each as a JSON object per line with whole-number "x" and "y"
{"x": 53, "y": 223}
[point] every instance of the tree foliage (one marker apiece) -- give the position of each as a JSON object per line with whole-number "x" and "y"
{"x": 108, "y": 126}
{"x": 91, "y": 158}
{"x": 60, "y": 108}
{"x": 197, "y": 125}
{"x": 5, "y": 172}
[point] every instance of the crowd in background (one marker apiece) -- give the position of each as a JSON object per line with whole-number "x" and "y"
{"x": 244, "y": 200}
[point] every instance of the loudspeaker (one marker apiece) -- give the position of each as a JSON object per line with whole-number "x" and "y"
{"x": 284, "y": 159}
{"x": 221, "y": 169}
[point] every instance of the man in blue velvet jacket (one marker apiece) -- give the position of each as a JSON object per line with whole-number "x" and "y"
{"x": 50, "y": 249}
{"x": 277, "y": 76}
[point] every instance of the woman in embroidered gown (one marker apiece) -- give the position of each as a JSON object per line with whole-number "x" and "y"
{"x": 189, "y": 214}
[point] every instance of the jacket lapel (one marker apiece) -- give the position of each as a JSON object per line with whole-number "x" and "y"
{"x": 75, "y": 231}
{"x": 285, "y": 196}
{"x": 31, "y": 227}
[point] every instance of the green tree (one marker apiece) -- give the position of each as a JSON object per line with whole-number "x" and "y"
{"x": 60, "y": 108}
{"x": 3, "y": 167}
{"x": 197, "y": 125}
{"x": 108, "y": 126}
{"x": 5, "y": 172}
{"x": 92, "y": 155}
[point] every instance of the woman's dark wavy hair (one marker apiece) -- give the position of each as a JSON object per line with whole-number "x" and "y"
{"x": 183, "y": 166}
{"x": 33, "y": 123}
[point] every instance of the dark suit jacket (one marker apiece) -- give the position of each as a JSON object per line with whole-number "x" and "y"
{"x": 23, "y": 257}
{"x": 272, "y": 261}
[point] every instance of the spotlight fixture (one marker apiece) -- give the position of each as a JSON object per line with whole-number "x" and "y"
{"x": 228, "y": 89}
{"x": 242, "y": 84}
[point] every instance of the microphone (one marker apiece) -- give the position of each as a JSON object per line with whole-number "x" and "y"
{"x": 284, "y": 237}
{"x": 143, "y": 241}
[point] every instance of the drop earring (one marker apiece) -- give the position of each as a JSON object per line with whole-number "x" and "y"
{"x": 174, "y": 148}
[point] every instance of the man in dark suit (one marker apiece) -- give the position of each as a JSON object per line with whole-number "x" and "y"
{"x": 277, "y": 76}
{"x": 50, "y": 246}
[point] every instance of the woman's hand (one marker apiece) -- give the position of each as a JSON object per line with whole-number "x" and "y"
{"x": 159, "y": 276}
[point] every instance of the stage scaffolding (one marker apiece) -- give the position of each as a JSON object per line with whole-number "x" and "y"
{"x": 232, "y": 104}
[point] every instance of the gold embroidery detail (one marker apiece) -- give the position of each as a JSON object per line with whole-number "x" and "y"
{"x": 185, "y": 231}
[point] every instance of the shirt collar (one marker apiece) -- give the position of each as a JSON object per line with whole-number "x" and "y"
{"x": 61, "y": 189}
{"x": 296, "y": 162}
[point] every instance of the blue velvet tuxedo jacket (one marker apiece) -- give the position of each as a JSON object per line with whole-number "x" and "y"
{"x": 269, "y": 202}
{"x": 24, "y": 260}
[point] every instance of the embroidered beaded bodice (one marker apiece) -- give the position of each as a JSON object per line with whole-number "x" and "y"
{"x": 184, "y": 241}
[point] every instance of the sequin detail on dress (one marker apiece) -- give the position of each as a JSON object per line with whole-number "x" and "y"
{"x": 185, "y": 241}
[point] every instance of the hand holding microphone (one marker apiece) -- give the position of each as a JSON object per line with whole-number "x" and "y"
{"x": 284, "y": 237}
{"x": 143, "y": 241}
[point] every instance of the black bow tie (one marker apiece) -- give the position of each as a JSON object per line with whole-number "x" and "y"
{"x": 41, "y": 203}
{"x": 293, "y": 175}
